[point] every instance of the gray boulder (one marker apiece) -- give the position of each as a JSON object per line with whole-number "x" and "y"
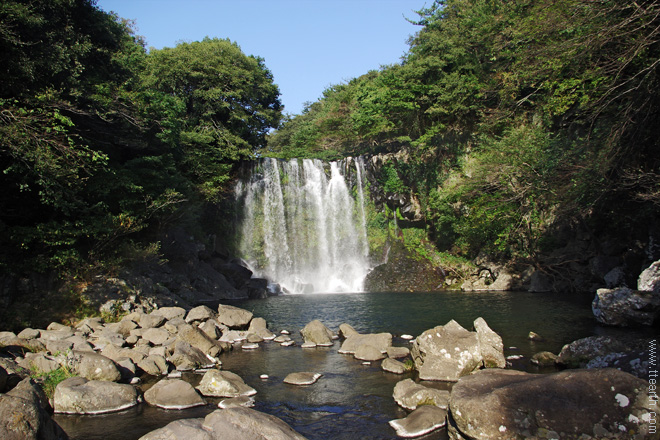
{"x": 78, "y": 395}
{"x": 506, "y": 404}
{"x": 410, "y": 395}
{"x": 152, "y": 320}
{"x": 625, "y": 307}
{"x": 346, "y": 330}
{"x": 490, "y": 343}
{"x": 366, "y": 352}
{"x": 186, "y": 357}
{"x": 154, "y": 365}
{"x": 93, "y": 366}
{"x": 649, "y": 279}
{"x": 218, "y": 383}
{"x": 381, "y": 341}
{"x": 186, "y": 429}
{"x": 200, "y": 340}
{"x": 446, "y": 353}
{"x": 317, "y": 333}
{"x": 199, "y": 314}
{"x": 156, "y": 335}
{"x": 393, "y": 366}
{"x": 302, "y": 378}
{"x": 258, "y": 327}
{"x": 246, "y": 423}
{"x": 169, "y": 313}
{"x": 173, "y": 394}
{"x": 398, "y": 352}
{"x": 421, "y": 421}
{"x": 24, "y": 414}
{"x": 39, "y": 362}
{"x": 544, "y": 359}
{"x": 233, "y": 317}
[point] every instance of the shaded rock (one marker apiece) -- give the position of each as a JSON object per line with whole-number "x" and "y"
{"x": 446, "y": 352}
{"x": 505, "y": 404}
{"x": 393, "y": 366}
{"x": 198, "y": 339}
{"x": 29, "y": 333}
{"x": 93, "y": 366}
{"x": 233, "y": 317}
{"x": 302, "y": 378}
{"x": 346, "y": 330}
{"x": 369, "y": 353}
{"x": 246, "y": 423}
{"x": 3, "y": 379}
{"x": 218, "y": 383}
{"x": 316, "y": 332}
{"x": 115, "y": 353}
{"x": 127, "y": 368}
{"x": 185, "y": 429}
{"x": 257, "y": 288}
{"x": 397, "y": 352}
{"x": 24, "y": 415}
{"x": 187, "y": 357}
{"x": 544, "y": 359}
{"x": 199, "y": 314}
{"x": 578, "y": 353}
{"x": 173, "y": 394}
{"x": 532, "y": 336}
{"x": 382, "y": 341}
{"x": 79, "y": 343}
{"x": 421, "y": 421}
{"x": 491, "y": 346}
{"x": 625, "y": 307}
{"x": 211, "y": 328}
{"x": 236, "y": 274}
{"x": 410, "y": 395}
{"x": 77, "y": 395}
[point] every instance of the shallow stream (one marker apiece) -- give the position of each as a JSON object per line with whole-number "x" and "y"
{"x": 352, "y": 400}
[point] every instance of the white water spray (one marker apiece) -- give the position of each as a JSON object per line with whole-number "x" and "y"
{"x": 300, "y": 226}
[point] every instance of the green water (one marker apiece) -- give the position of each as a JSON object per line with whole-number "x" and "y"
{"x": 354, "y": 401}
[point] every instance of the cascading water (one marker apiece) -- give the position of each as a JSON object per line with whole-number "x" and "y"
{"x": 300, "y": 226}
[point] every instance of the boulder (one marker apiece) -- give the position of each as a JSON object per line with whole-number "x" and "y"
{"x": 199, "y": 314}
{"x": 446, "y": 352}
{"x": 625, "y": 307}
{"x": 649, "y": 279}
{"x": 29, "y": 333}
{"x": 187, "y": 357}
{"x": 233, "y": 402}
{"x": 233, "y": 317}
{"x": 185, "y": 429}
{"x": 419, "y": 422}
{"x": 410, "y": 395}
{"x": 393, "y": 366}
{"x": 506, "y": 404}
{"x": 200, "y": 340}
{"x": 78, "y": 395}
{"x": 316, "y": 332}
{"x": 154, "y": 365}
{"x": 93, "y": 366}
{"x": 169, "y": 313}
{"x": 153, "y": 320}
{"x": 397, "y": 352}
{"x": 211, "y": 328}
{"x": 257, "y": 288}
{"x": 366, "y": 352}
{"x": 259, "y": 328}
{"x": 156, "y": 335}
{"x": 490, "y": 343}
{"x": 173, "y": 394}
{"x": 346, "y": 330}
{"x": 246, "y": 423}
{"x": 24, "y": 414}
{"x": 544, "y": 359}
{"x": 382, "y": 341}
{"x": 626, "y": 354}
{"x": 218, "y": 383}
{"x": 39, "y": 362}
{"x": 302, "y": 378}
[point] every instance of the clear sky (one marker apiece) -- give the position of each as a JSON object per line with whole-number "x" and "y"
{"x": 307, "y": 44}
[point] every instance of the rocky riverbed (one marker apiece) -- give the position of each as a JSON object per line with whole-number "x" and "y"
{"x": 150, "y": 358}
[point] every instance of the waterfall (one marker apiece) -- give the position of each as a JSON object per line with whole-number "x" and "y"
{"x": 300, "y": 226}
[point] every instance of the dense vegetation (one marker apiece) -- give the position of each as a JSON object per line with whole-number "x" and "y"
{"x": 516, "y": 117}
{"x": 103, "y": 144}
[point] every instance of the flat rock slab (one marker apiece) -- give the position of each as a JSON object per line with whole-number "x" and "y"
{"x": 302, "y": 378}
{"x": 218, "y": 383}
{"x": 411, "y": 395}
{"x": 393, "y": 366}
{"x": 234, "y": 402}
{"x": 78, "y": 395}
{"x": 505, "y": 404}
{"x": 382, "y": 341}
{"x": 246, "y": 423}
{"x": 368, "y": 353}
{"x": 233, "y": 317}
{"x": 173, "y": 394}
{"x": 421, "y": 421}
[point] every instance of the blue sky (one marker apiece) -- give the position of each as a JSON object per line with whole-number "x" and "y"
{"x": 307, "y": 44}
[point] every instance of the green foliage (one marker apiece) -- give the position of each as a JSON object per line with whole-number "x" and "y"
{"x": 50, "y": 380}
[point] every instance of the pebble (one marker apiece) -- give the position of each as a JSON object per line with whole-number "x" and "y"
{"x": 250, "y": 346}
{"x": 407, "y": 337}
{"x": 264, "y": 376}
{"x": 285, "y": 332}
